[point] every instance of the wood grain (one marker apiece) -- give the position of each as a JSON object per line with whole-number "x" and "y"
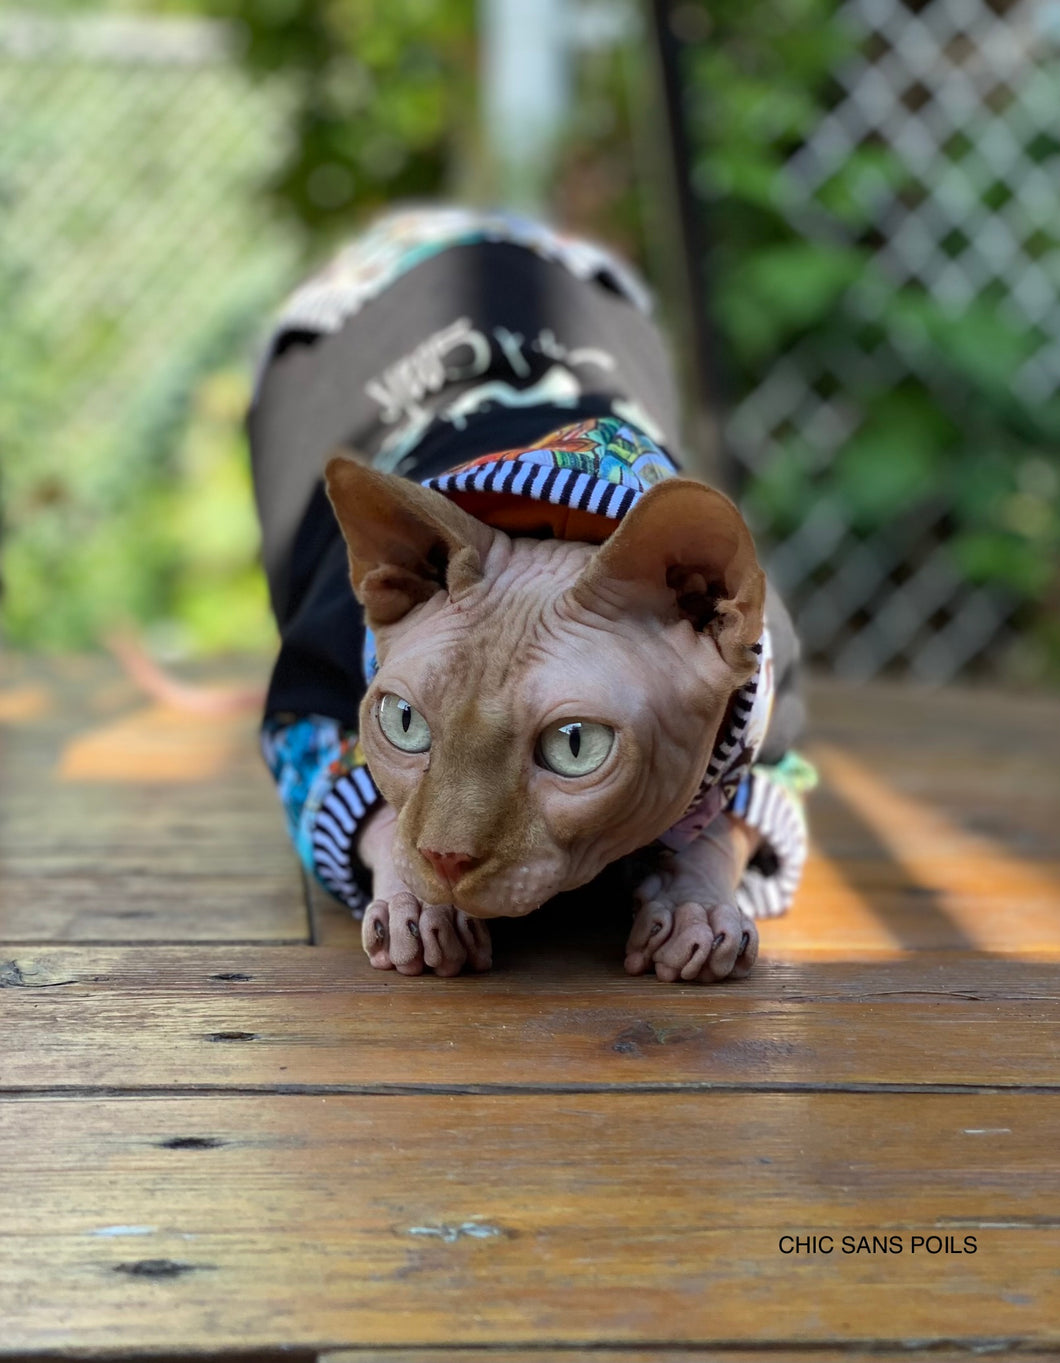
{"x": 324, "y": 1019}
{"x": 225, "y": 1145}
{"x": 123, "y": 822}
{"x": 707, "y": 1355}
{"x": 618, "y": 1219}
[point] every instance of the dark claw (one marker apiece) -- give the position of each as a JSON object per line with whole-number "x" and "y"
{"x": 380, "y": 931}
{"x": 743, "y": 943}
{"x": 656, "y": 928}
{"x": 413, "y": 927}
{"x": 717, "y": 941}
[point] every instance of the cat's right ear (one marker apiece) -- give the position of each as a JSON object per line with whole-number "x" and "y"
{"x": 405, "y": 542}
{"x": 683, "y": 551}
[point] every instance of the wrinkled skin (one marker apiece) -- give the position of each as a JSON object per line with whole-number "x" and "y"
{"x": 685, "y": 928}
{"x": 686, "y": 925}
{"x": 492, "y": 640}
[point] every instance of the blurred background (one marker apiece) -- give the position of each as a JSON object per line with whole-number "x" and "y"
{"x": 849, "y": 208}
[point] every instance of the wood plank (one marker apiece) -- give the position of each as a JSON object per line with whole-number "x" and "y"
{"x": 513, "y": 1220}
{"x": 934, "y": 718}
{"x": 709, "y": 1355}
{"x": 580, "y": 969}
{"x": 969, "y": 877}
{"x": 855, "y": 910}
{"x": 122, "y": 821}
{"x": 323, "y": 1019}
{"x": 937, "y": 825}
{"x": 985, "y": 759}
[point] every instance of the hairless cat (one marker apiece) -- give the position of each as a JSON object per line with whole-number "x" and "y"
{"x": 517, "y": 645}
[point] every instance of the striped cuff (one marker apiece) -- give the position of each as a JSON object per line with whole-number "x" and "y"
{"x": 334, "y": 833}
{"x": 769, "y": 799}
{"x": 327, "y": 794}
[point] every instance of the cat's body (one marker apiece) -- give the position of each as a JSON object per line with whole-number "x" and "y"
{"x": 567, "y": 656}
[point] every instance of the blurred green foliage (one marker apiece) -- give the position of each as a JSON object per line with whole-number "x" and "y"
{"x": 385, "y": 102}
{"x": 123, "y": 471}
{"x": 134, "y": 272}
{"x": 948, "y": 432}
{"x": 373, "y": 100}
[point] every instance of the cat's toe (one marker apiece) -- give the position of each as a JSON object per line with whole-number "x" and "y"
{"x": 443, "y": 949}
{"x": 732, "y": 939}
{"x": 707, "y": 944}
{"x": 375, "y": 934}
{"x": 652, "y": 927}
{"x": 405, "y": 939}
{"x": 748, "y": 950}
{"x": 475, "y": 936}
{"x": 405, "y": 935}
{"x": 687, "y": 949}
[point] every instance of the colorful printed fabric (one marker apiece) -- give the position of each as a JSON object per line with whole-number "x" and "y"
{"x": 610, "y": 450}
{"x": 323, "y": 782}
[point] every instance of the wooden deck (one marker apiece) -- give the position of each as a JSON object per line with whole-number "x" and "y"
{"x": 221, "y": 1133}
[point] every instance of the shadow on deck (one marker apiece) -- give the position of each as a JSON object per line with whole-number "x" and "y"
{"x": 221, "y": 1132}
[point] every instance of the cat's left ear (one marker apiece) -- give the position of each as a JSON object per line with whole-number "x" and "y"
{"x": 405, "y": 542}
{"x": 683, "y": 551}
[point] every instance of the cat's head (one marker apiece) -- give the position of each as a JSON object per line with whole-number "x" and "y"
{"x": 542, "y": 707}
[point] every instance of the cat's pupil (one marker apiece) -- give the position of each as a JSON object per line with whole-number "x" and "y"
{"x": 576, "y": 748}
{"x": 406, "y": 715}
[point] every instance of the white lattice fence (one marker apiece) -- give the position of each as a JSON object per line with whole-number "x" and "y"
{"x": 962, "y": 98}
{"x": 131, "y": 153}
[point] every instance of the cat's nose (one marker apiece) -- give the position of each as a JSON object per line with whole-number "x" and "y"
{"x": 449, "y": 865}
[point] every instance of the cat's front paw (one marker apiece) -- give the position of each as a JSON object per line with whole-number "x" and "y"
{"x": 403, "y": 934}
{"x": 690, "y": 941}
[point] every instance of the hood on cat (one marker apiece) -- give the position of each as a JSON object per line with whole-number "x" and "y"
{"x": 580, "y": 483}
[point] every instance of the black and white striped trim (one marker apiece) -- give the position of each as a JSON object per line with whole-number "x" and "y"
{"x": 731, "y": 738}
{"x": 739, "y": 715}
{"x": 543, "y": 483}
{"x": 340, "y": 816}
{"x": 776, "y": 813}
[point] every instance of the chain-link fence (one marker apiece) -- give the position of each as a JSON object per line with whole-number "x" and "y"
{"x": 949, "y": 115}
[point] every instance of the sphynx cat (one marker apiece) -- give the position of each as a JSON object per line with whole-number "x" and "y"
{"x": 517, "y": 645}
{"x": 499, "y": 645}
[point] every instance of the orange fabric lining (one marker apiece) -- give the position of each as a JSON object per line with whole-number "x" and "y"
{"x": 523, "y": 516}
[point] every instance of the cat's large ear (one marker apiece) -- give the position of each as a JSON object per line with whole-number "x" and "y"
{"x": 683, "y": 547}
{"x": 405, "y": 542}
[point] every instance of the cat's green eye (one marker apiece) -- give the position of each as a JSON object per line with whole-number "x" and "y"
{"x": 575, "y": 747}
{"x": 403, "y": 725}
